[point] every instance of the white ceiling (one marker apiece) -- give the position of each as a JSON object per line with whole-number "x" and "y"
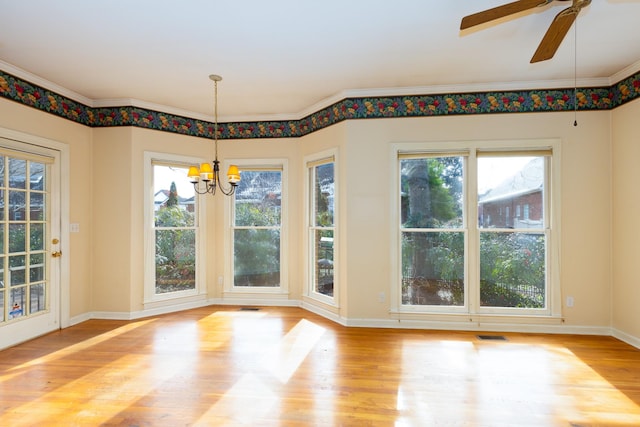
{"x": 285, "y": 58}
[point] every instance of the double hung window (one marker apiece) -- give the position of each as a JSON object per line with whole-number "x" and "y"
{"x": 257, "y": 223}
{"x": 258, "y": 212}
{"x": 321, "y": 226}
{"x": 174, "y": 245}
{"x": 459, "y": 248}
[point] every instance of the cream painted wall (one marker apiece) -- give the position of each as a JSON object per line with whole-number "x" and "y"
{"x": 586, "y": 215}
{"x": 626, "y": 208}
{"x": 28, "y": 120}
{"x": 107, "y": 167}
{"x": 112, "y": 212}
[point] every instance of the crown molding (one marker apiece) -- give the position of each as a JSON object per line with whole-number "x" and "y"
{"x": 326, "y": 102}
{"x": 624, "y": 73}
{"x": 44, "y": 83}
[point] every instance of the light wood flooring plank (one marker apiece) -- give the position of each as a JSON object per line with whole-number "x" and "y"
{"x": 287, "y": 367}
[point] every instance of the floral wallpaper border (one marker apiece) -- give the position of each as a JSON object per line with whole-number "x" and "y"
{"x": 525, "y": 101}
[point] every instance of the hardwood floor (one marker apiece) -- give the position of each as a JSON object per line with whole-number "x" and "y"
{"x": 218, "y": 366}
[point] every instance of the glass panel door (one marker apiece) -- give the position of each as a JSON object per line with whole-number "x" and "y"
{"x": 28, "y": 246}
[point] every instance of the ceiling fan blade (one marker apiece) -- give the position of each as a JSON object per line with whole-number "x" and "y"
{"x": 555, "y": 34}
{"x": 500, "y": 12}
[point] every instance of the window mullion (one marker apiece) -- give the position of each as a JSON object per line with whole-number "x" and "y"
{"x": 472, "y": 247}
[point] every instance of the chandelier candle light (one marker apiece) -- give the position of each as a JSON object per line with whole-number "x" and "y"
{"x": 207, "y": 174}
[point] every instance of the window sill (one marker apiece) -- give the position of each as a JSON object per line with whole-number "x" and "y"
{"x": 477, "y": 319}
{"x": 166, "y": 300}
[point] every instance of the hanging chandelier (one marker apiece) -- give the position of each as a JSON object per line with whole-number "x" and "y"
{"x": 206, "y": 178}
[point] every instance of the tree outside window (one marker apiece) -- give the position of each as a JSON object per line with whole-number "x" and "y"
{"x": 511, "y": 251}
{"x": 322, "y": 226}
{"x": 257, "y": 229}
{"x": 175, "y": 236}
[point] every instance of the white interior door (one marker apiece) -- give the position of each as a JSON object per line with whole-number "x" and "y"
{"x": 29, "y": 241}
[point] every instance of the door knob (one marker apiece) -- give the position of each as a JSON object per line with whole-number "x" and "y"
{"x": 56, "y": 254}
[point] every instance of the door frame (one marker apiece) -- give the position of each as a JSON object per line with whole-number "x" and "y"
{"x": 63, "y": 295}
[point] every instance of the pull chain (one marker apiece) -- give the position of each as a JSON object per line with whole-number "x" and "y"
{"x": 575, "y": 74}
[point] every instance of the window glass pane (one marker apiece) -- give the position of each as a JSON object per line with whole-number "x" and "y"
{"x": 17, "y": 238}
{"x": 37, "y": 298}
{"x": 431, "y": 192}
{"x": 37, "y": 176}
{"x": 36, "y": 206}
{"x": 36, "y": 237}
{"x": 173, "y": 197}
{"x": 2, "y": 317}
{"x": 324, "y": 194}
{"x": 258, "y": 199}
{"x": 17, "y": 173}
{"x": 256, "y": 257}
{"x": 3, "y": 213}
{"x": 17, "y": 301}
{"x": 17, "y": 270}
{"x": 324, "y": 262}
{"x": 175, "y": 260}
{"x": 512, "y": 270}
{"x": 433, "y": 268}
{"x": 2, "y": 174}
{"x": 36, "y": 273}
{"x": 36, "y": 267}
{"x": 504, "y": 185}
{"x": 174, "y": 210}
{"x": 17, "y": 204}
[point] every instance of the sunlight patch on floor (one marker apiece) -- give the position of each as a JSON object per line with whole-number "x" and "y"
{"x": 521, "y": 382}
{"x": 248, "y": 400}
{"x": 102, "y": 394}
{"x": 251, "y": 397}
{"x": 81, "y": 346}
{"x": 283, "y": 360}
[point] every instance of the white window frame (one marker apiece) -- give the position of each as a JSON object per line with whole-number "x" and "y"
{"x": 472, "y": 311}
{"x": 309, "y": 291}
{"x": 258, "y": 294}
{"x": 199, "y": 293}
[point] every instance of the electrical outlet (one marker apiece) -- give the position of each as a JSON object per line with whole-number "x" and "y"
{"x": 220, "y": 280}
{"x": 381, "y": 297}
{"x": 570, "y": 301}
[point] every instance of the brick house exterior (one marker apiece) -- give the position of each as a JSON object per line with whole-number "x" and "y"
{"x": 517, "y": 202}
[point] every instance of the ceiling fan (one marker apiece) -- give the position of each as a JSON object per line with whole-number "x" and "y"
{"x": 554, "y": 35}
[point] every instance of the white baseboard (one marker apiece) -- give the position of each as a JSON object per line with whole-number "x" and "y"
{"x": 254, "y": 302}
{"x": 623, "y": 336}
{"x": 133, "y": 315}
{"x": 477, "y": 326}
{"x": 80, "y": 318}
{"x": 372, "y": 323}
{"x": 334, "y": 317}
